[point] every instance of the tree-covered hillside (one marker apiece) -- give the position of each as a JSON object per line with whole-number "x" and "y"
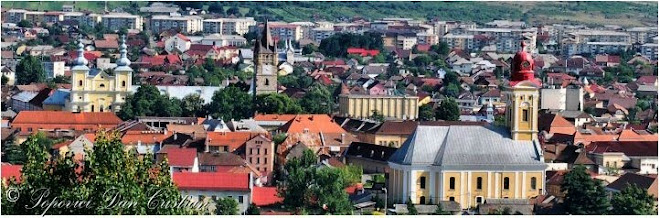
{"x": 589, "y": 13}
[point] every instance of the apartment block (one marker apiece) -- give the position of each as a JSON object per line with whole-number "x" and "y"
{"x": 320, "y": 33}
{"x": 642, "y": 34}
{"x": 427, "y": 39}
{"x": 465, "y": 42}
{"x": 15, "y": 15}
{"x": 88, "y": 19}
{"x": 229, "y": 26}
{"x": 650, "y": 50}
{"x": 117, "y": 21}
{"x": 582, "y": 36}
{"x": 285, "y": 31}
{"x": 187, "y": 24}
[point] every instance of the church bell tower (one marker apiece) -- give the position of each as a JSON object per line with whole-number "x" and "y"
{"x": 266, "y": 60}
{"x": 522, "y": 95}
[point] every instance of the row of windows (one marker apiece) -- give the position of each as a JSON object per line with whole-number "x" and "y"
{"x": 123, "y": 84}
{"x": 452, "y": 183}
{"x": 258, "y": 150}
{"x": 258, "y": 162}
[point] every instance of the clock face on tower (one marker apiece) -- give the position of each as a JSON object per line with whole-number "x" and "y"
{"x": 525, "y": 64}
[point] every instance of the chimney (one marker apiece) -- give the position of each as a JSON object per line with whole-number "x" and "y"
{"x": 175, "y": 136}
{"x": 194, "y": 136}
{"x": 343, "y": 136}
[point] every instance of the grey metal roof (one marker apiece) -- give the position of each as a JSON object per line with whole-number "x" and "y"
{"x": 58, "y": 98}
{"x": 468, "y": 147}
{"x": 24, "y": 96}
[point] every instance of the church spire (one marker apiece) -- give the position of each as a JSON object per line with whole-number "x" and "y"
{"x": 81, "y": 60}
{"x": 123, "y": 59}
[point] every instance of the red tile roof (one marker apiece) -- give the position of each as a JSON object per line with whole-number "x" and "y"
{"x": 265, "y": 196}
{"x": 274, "y": 117}
{"x": 183, "y": 157}
{"x": 9, "y": 170}
{"x": 629, "y": 148}
{"x": 313, "y": 123}
{"x": 182, "y": 37}
{"x": 232, "y": 139}
{"x": 106, "y": 44}
{"x": 211, "y": 181}
{"x": 64, "y": 117}
{"x": 145, "y": 137}
{"x": 362, "y": 52}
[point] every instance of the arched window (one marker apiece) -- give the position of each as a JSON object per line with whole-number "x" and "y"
{"x": 102, "y": 85}
{"x": 266, "y": 82}
{"x": 506, "y": 183}
{"x": 533, "y": 183}
{"x": 452, "y": 183}
{"x": 479, "y": 181}
{"x": 92, "y": 108}
{"x": 422, "y": 182}
{"x": 79, "y": 82}
{"x": 123, "y": 83}
{"x": 422, "y": 200}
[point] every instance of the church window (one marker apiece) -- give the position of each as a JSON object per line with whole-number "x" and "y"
{"x": 479, "y": 181}
{"x": 79, "y": 82}
{"x": 102, "y": 85}
{"x": 525, "y": 115}
{"x": 422, "y": 182}
{"x": 506, "y": 183}
{"x": 422, "y": 200}
{"x": 533, "y": 183}
{"x": 123, "y": 83}
{"x": 452, "y": 199}
{"x": 92, "y": 108}
{"x": 452, "y": 183}
{"x": 266, "y": 82}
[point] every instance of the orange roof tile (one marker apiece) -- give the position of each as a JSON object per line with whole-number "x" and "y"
{"x": 313, "y": 123}
{"x": 265, "y": 196}
{"x": 63, "y": 117}
{"x": 232, "y": 139}
{"x": 147, "y": 137}
{"x": 631, "y": 135}
{"x": 274, "y": 117}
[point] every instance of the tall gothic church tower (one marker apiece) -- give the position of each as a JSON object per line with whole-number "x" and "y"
{"x": 265, "y": 53}
{"x": 523, "y": 97}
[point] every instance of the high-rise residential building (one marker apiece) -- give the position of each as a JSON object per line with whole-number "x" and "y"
{"x": 229, "y": 26}
{"x": 186, "y": 24}
{"x": 117, "y": 21}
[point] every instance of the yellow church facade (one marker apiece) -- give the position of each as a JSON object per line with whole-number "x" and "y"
{"x": 359, "y": 106}
{"x": 97, "y": 91}
{"x": 470, "y": 162}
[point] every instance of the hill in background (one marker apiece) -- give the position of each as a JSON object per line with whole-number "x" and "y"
{"x": 589, "y": 13}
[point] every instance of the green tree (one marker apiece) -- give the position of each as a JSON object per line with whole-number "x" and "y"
{"x": 329, "y": 190}
{"x": 226, "y": 206}
{"x": 193, "y": 106}
{"x": 275, "y": 103}
{"x": 25, "y": 23}
{"x": 309, "y": 48}
{"x": 448, "y": 110}
{"x": 296, "y": 187}
{"x": 147, "y": 101}
{"x": 377, "y": 116}
{"x": 352, "y": 174}
{"x": 633, "y": 200}
{"x": 411, "y": 207}
{"x": 231, "y": 103}
{"x": 253, "y": 210}
{"x": 318, "y": 100}
{"x": 584, "y": 196}
{"x": 452, "y": 90}
{"x": 98, "y": 181}
{"x": 426, "y": 112}
{"x": 30, "y": 70}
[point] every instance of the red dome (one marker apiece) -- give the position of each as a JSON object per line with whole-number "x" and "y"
{"x": 522, "y": 67}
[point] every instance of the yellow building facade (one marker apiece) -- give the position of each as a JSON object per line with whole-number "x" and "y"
{"x": 390, "y": 106}
{"x": 470, "y": 162}
{"x": 97, "y": 91}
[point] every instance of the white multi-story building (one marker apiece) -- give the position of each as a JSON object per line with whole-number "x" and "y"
{"x": 223, "y": 40}
{"x": 322, "y": 33}
{"x": 53, "y": 69}
{"x": 582, "y": 36}
{"x": 88, "y": 19}
{"x": 406, "y": 42}
{"x": 229, "y": 26}
{"x": 187, "y": 24}
{"x": 642, "y": 34}
{"x": 306, "y": 28}
{"x": 650, "y": 50}
{"x": 285, "y": 31}
{"x": 117, "y": 21}
{"x": 427, "y": 39}
{"x": 464, "y": 42}
{"x": 570, "y": 48}
{"x": 15, "y": 15}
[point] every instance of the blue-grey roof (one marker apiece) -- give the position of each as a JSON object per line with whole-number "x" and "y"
{"x": 468, "y": 147}
{"x": 24, "y": 96}
{"x": 58, "y": 98}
